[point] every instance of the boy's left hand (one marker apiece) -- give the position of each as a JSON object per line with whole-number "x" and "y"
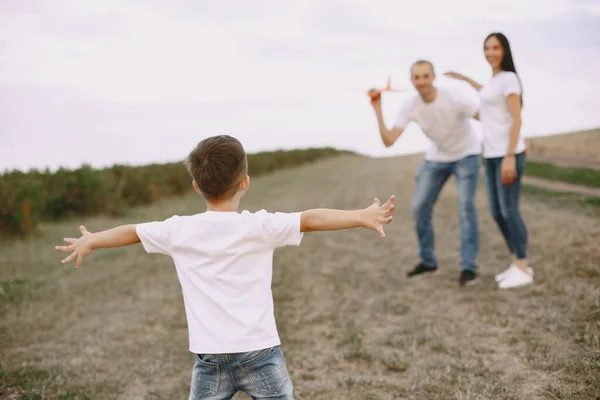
{"x": 376, "y": 215}
{"x": 80, "y": 247}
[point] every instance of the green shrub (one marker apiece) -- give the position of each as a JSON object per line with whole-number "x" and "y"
{"x": 578, "y": 176}
{"x": 26, "y": 198}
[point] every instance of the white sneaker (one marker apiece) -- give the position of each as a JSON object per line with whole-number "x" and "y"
{"x": 516, "y": 278}
{"x": 500, "y": 277}
{"x": 504, "y": 274}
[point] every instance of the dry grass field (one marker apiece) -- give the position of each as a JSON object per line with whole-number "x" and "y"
{"x": 352, "y": 325}
{"x": 579, "y": 149}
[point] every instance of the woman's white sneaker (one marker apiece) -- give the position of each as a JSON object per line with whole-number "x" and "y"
{"x": 500, "y": 277}
{"x": 504, "y": 274}
{"x": 516, "y": 278}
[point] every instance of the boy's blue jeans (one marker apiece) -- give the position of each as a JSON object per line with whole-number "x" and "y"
{"x": 429, "y": 182}
{"x": 262, "y": 374}
{"x": 504, "y": 204}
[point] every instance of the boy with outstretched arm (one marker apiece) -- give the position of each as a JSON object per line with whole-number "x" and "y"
{"x": 224, "y": 262}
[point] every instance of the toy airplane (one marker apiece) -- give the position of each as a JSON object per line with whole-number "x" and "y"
{"x": 387, "y": 88}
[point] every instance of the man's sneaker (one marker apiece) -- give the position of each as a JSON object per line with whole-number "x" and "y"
{"x": 420, "y": 269}
{"x": 504, "y": 274}
{"x": 467, "y": 278}
{"x": 516, "y": 278}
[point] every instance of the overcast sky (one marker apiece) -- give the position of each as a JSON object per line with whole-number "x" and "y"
{"x": 139, "y": 81}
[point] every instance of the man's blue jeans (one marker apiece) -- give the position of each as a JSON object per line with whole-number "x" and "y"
{"x": 429, "y": 182}
{"x": 262, "y": 374}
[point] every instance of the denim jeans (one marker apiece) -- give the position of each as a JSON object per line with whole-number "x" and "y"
{"x": 503, "y": 202}
{"x": 429, "y": 182}
{"x": 262, "y": 374}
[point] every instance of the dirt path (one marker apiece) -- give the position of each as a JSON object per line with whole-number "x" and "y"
{"x": 561, "y": 186}
{"x": 352, "y": 325}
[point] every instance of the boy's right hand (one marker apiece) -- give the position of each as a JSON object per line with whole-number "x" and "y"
{"x": 377, "y": 215}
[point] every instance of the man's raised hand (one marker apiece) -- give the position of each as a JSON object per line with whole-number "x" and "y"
{"x": 375, "y": 96}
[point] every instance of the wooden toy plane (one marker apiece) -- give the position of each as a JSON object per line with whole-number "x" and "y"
{"x": 387, "y": 88}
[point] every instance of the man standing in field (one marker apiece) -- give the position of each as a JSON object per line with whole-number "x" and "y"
{"x": 444, "y": 116}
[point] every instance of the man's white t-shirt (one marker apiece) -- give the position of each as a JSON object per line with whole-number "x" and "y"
{"x": 224, "y": 261}
{"x": 446, "y": 121}
{"x": 495, "y": 117}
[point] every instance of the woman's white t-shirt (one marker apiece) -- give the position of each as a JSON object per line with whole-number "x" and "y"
{"x": 495, "y": 117}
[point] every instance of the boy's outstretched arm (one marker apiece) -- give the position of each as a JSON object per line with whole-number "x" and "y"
{"x": 116, "y": 237}
{"x": 372, "y": 217}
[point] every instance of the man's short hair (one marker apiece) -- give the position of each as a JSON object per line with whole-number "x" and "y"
{"x": 419, "y": 62}
{"x": 218, "y": 164}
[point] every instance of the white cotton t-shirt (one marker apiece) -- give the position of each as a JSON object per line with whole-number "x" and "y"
{"x": 224, "y": 261}
{"x": 495, "y": 117}
{"x": 446, "y": 121}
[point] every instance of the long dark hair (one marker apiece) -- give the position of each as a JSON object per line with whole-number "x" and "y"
{"x": 507, "y": 63}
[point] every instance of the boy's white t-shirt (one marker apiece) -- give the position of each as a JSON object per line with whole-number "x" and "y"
{"x": 495, "y": 117}
{"x": 224, "y": 261}
{"x": 446, "y": 121}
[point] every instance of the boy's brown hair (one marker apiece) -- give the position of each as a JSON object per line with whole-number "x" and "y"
{"x": 218, "y": 164}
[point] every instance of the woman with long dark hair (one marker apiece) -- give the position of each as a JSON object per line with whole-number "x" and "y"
{"x": 504, "y": 153}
